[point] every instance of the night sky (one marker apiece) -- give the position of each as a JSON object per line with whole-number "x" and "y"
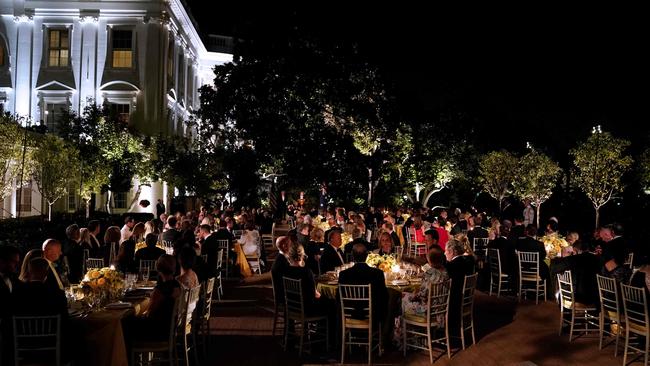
{"x": 544, "y": 78}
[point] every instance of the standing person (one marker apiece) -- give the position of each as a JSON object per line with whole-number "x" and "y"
{"x": 129, "y": 222}
{"x": 160, "y": 208}
{"x": 529, "y": 213}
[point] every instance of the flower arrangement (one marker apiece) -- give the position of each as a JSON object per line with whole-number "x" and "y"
{"x": 142, "y": 244}
{"x": 554, "y": 243}
{"x": 384, "y": 262}
{"x": 319, "y": 223}
{"x": 103, "y": 281}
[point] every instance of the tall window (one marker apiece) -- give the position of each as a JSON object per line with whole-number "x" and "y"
{"x": 72, "y": 201}
{"x": 53, "y": 114}
{"x": 122, "y": 48}
{"x": 120, "y": 199}
{"x": 181, "y": 76}
{"x": 58, "y": 43}
{"x": 2, "y": 54}
{"x": 25, "y": 194}
{"x": 170, "y": 65}
{"x": 120, "y": 111}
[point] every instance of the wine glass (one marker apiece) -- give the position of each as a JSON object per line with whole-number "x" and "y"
{"x": 145, "y": 275}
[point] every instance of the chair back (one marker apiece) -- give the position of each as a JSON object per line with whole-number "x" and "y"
{"x": 205, "y": 258}
{"x": 565, "y": 285}
{"x": 494, "y": 259}
{"x": 629, "y": 261}
{"x": 356, "y": 302}
{"x": 179, "y": 318}
{"x": 207, "y": 288}
{"x": 469, "y": 285}
{"x": 114, "y": 249}
{"x": 86, "y": 256}
{"x": 37, "y": 335}
{"x": 219, "y": 260}
{"x": 147, "y": 265}
{"x": 192, "y": 296}
{"x": 168, "y": 245}
{"x": 293, "y": 299}
{"x": 438, "y": 300}
{"x": 609, "y": 301}
{"x": 223, "y": 244}
{"x": 479, "y": 246}
{"x": 528, "y": 264}
{"x": 368, "y": 235}
{"x": 92, "y": 263}
{"x": 635, "y": 304}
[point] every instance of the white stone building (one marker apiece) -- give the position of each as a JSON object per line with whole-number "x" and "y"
{"x": 144, "y": 58}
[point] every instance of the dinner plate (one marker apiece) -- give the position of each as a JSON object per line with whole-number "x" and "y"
{"x": 119, "y": 305}
{"x": 332, "y": 282}
{"x": 399, "y": 282}
{"x": 146, "y": 287}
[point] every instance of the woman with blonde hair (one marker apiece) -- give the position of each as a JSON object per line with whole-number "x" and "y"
{"x": 150, "y": 228}
{"x": 316, "y": 242}
{"x": 24, "y": 269}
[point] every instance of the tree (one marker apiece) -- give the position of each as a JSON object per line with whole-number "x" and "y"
{"x": 599, "y": 165}
{"x": 497, "y": 172}
{"x": 536, "y": 177}
{"x": 644, "y": 169}
{"x": 12, "y": 136}
{"x": 54, "y": 162}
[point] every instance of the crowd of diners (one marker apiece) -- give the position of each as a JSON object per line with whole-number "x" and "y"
{"x": 304, "y": 253}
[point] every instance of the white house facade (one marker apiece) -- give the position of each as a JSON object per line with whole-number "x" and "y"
{"x": 143, "y": 58}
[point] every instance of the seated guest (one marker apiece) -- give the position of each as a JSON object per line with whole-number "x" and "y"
{"x": 431, "y": 239}
{"x": 584, "y": 267}
{"x": 126, "y": 231}
{"x": 332, "y": 255}
{"x": 94, "y": 228}
{"x": 156, "y": 324}
{"x": 250, "y": 239}
{"x": 362, "y": 274}
{"x": 443, "y": 235}
{"x": 187, "y": 259}
{"x": 52, "y": 253}
{"x": 125, "y": 261}
{"x": 151, "y": 251}
{"x": 416, "y": 303}
{"x": 302, "y": 234}
{"x": 170, "y": 234}
{"x": 458, "y": 266}
{"x": 385, "y": 244}
{"x": 36, "y": 298}
{"x": 112, "y": 240}
{"x": 507, "y": 254}
{"x": 298, "y": 271}
{"x": 614, "y": 254}
{"x": 312, "y": 249}
{"x": 280, "y": 266}
{"x": 24, "y": 268}
{"x": 209, "y": 247}
{"x": 9, "y": 259}
{"x": 388, "y": 227}
{"x": 530, "y": 244}
{"x": 74, "y": 254}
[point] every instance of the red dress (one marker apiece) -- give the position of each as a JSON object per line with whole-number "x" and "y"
{"x": 443, "y": 237}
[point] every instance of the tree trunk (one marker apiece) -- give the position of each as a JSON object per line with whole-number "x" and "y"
{"x": 369, "y": 186}
{"x": 539, "y": 206}
{"x": 87, "y": 208}
{"x": 109, "y": 196}
{"x": 49, "y": 211}
{"x": 136, "y": 197}
{"x": 597, "y": 217}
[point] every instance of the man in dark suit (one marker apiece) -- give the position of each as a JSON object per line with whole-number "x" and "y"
{"x": 332, "y": 255}
{"x": 458, "y": 266}
{"x": 530, "y": 244}
{"x": 52, "y": 253}
{"x": 506, "y": 248}
{"x": 584, "y": 267}
{"x": 209, "y": 247}
{"x": 478, "y": 231}
{"x": 151, "y": 252}
{"x": 362, "y": 274}
{"x": 518, "y": 230}
{"x": 171, "y": 234}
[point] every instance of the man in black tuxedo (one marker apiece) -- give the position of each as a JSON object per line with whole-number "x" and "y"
{"x": 478, "y": 231}
{"x": 332, "y": 255}
{"x": 209, "y": 247}
{"x": 52, "y": 253}
{"x": 530, "y": 244}
{"x": 458, "y": 266}
{"x": 171, "y": 234}
{"x": 151, "y": 252}
{"x": 584, "y": 267}
{"x": 362, "y": 274}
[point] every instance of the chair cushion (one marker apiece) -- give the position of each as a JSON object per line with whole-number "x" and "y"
{"x": 578, "y": 306}
{"x": 530, "y": 278}
{"x": 637, "y": 328}
{"x": 415, "y": 318}
{"x": 357, "y": 322}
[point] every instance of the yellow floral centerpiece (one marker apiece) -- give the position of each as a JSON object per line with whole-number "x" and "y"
{"x": 319, "y": 223}
{"x": 142, "y": 245}
{"x": 384, "y": 262}
{"x": 553, "y": 243}
{"x": 104, "y": 281}
{"x": 345, "y": 239}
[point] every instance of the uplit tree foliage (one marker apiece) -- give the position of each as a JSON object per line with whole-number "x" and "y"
{"x": 317, "y": 112}
{"x": 536, "y": 176}
{"x": 644, "y": 169}
{"x": 111, "y": 154}
{"x": 497, "y": 171}
{"x": 600, "y": 163}
{"x": 12, "y": 138}
{"x": 54, "y": 164}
